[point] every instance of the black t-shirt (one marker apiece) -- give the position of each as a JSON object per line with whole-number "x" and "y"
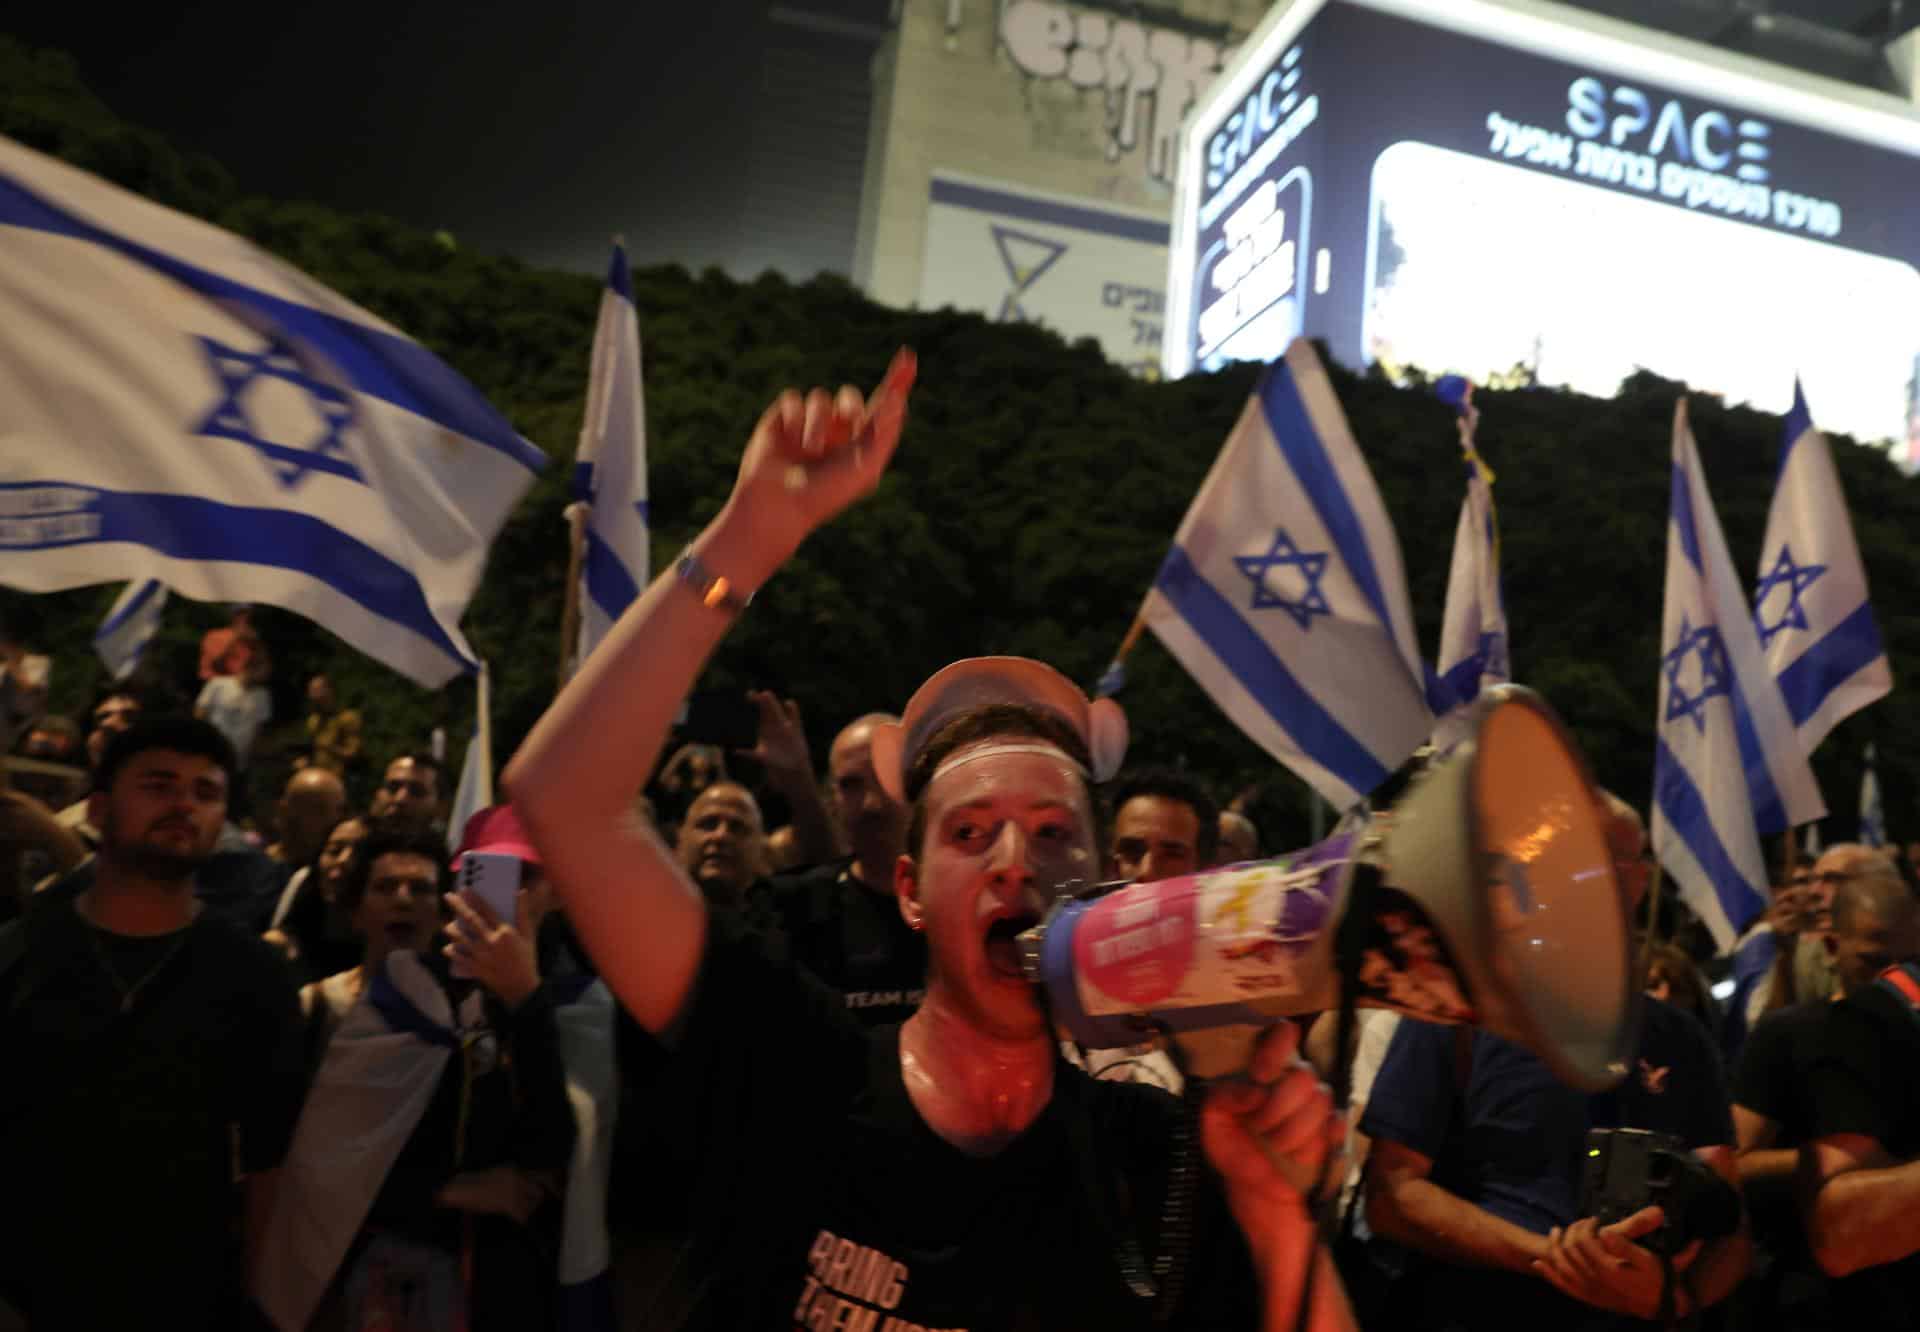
{"x": 853, "y": 939}
{"x": 1866, "y": 1081}
{"x": 822, "y": 1199}
{"x": 124, "y": 1126}
{"x": 1773, "y": 1079}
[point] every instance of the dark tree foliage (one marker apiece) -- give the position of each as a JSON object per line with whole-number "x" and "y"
{"x": 1031, "y": 502}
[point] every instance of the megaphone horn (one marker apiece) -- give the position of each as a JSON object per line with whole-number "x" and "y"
{"x": 1485, "y": 895}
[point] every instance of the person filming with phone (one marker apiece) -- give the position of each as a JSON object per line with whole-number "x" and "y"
{"x": 422, "y": 1183}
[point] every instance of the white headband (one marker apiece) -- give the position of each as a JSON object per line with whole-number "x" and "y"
{"x": 969, "y": 753}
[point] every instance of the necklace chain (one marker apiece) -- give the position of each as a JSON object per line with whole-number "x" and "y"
{"x": 128, "y": 993}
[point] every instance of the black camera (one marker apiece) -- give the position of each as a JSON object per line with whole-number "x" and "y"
{"x": 1628, "y": 1169}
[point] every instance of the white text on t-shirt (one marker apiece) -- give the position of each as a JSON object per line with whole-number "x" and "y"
{"x": 850, "y": 1288}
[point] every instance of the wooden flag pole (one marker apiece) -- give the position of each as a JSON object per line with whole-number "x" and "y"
{"x": 577, "y": 544}
{"x": 570, "y": 608}
{"x": 1653, "y": 922}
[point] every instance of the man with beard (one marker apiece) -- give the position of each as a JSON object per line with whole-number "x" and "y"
{"x": 152, "y": 1052}
{"x": 408, "y": 796}
{"x": 841, "y": 917}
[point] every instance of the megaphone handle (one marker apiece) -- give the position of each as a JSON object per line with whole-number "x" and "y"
{"x": 1209, "y": 1053}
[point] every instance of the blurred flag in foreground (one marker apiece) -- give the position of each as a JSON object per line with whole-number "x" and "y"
{"x": 1473, "y": 630}
{"x": 1873, "y": 814}
{"x": 122, "y": 638}
{"x": 1810, "y": 604}
{"x": 1284, "y": 594}
{"x": 1728, "y": 767}
{"x": 610, "y": 471}
{"x": 177, "y": 403}
{"x": 475, "y": 791}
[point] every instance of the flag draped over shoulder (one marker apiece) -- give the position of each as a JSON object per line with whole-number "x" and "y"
{"x": 177, "y": 404}
{"x": 610, "y": 471}
{"x": 1284, "y": 594}
{"x": 1728, "y": 767}
{"x": 122, "y": 638}
{"x": 1473, "y": 629}
{"x": 1810, "y": 604}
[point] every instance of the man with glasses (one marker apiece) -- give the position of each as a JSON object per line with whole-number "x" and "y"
{"x": 1814, "y": 975}
{"x": 1858, "y": 1172}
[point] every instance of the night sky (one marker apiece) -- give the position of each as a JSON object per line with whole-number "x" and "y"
{"x": 539, "y": 129}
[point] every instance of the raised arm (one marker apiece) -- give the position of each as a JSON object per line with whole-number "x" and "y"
{"x": 574, "y": 778}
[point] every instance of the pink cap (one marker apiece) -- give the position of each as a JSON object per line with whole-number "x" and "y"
{"x": 498, "y": 829}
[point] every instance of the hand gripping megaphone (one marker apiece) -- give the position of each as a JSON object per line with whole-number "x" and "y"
{"x": 1485, "y": 895}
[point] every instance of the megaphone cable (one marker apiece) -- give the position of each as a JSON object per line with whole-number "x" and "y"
{"x": 1164, "y": 1280}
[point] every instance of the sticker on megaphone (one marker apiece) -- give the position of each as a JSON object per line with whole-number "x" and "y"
{"x": 1218, "y": 938}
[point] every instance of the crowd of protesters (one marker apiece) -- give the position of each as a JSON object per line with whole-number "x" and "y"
{"x": 294, "y": 1066}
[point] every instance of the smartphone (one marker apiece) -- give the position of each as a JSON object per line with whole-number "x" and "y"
{"x": 494, "y": 879}
{"x": 34, "y": 670}
{"x": 728, "y": 720}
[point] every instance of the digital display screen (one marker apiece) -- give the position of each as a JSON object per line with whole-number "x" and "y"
{"x": 1488, "y": 191}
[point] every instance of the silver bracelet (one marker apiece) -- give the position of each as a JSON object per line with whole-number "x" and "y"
{"x": 714, "y": 591}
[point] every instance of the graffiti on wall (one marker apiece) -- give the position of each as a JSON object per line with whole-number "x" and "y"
{"x": 1149, "y": 76}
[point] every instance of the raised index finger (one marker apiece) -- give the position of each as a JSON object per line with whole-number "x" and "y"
{"x": 887, "y": 408}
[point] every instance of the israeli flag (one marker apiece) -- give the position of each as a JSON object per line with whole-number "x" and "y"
{"x": 1728, "y": 767}
{"x": 1284, "y": 594}
{"x": 475, "y": 791}
{"x": 175, "y": 401}
{"x": 1473, "y": 629}
{"x": 122, "y": 638}
{"x": 1873, "y": 815}
{"x": 1816, "y": 624}
{"x": 610, "y": 470}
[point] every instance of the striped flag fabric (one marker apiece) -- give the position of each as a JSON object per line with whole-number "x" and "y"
{"x": 610, "y": 469}
{"x": 1873, "y": 813}
{"x": 1284, "y": 595}
{"x": 1473, "y": 627}
{"x": 1728, "y": 766}
{"x": 122, "y": 638}
{"x": 475, "y": 791}
{"x": 1810, "y": 604}
{"x": 180, "y": 403}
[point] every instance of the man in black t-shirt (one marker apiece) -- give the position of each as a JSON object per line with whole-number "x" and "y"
{"x": 951, "y": 1172}
{"x": 151, "y": 1052}
{"x": 1773, "y": 1097}
{"x": 1859, "y": 1174}
{"x": 841, "y": 918}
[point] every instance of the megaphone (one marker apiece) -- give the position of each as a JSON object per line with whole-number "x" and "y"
{"x": 1485, "y": 895}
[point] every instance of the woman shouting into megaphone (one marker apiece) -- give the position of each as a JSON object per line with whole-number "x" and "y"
{"x": 952, "y": 1172}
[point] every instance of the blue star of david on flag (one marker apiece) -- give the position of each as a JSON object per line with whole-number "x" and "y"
{"x": 242, "y": 375}
{"x": 1716, "y": 672}
{"x": 1283, "y": 554}
{"x": 1796, "y": 579}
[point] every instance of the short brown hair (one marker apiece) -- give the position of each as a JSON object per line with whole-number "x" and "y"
{"x": 984, "y": 723}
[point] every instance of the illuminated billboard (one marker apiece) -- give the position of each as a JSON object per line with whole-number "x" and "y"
{"x": 1509, "y": 188}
